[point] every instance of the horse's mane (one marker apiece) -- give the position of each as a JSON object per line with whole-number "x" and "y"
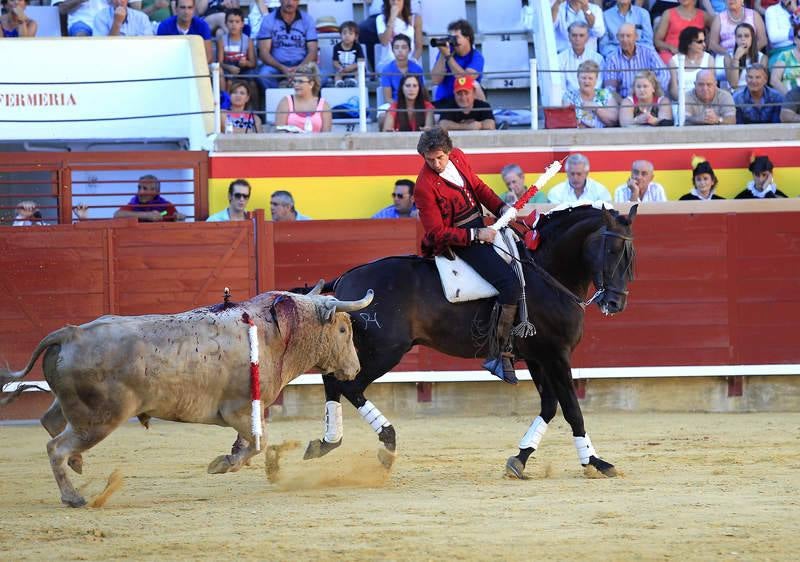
{"x": 570, "y": 215}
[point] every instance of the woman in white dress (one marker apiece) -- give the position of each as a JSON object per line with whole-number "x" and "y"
{"x": 397, "y": 18}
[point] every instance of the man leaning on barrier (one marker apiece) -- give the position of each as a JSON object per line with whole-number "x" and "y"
{"x": 148, "y": 205}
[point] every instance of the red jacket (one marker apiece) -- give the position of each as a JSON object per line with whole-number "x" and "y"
{"x": 442, "y": 205}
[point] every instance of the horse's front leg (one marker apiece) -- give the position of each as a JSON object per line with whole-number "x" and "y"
{"x": 334, "y": 428}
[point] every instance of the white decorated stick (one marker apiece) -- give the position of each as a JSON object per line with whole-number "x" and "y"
{"x": 511, "y": 213}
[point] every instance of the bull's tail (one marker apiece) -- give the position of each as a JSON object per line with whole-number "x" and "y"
{"x": 7, "y": 376}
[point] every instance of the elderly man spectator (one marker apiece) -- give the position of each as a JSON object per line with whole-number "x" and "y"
{"x": 402, "y": 202}
{"x": 459, "y": 60}
{"x": 514, "y": 178}
{"x": 790, "y": 112}
{"x": 148, "y": 205}
{"x": 238, "y": 196}
{"x": 565, "y": 12}
{"x": 756, "y": 102}
{"x": 80, "y": 15}
{"x": 569, "y": 59}
{"x": 287, "y": 39}
{"x": 579, "y": 186}
{"x": 630, "y": 57}
{"x": 640, "y": 187}
{"x": 707, "y": 104}
{"x": 186, "y": 23}
{"x": 465, "y": 113}
{"x": 118, "y": 19}
{"x": 624, "y": 11}
{"x": 281, "y": 205}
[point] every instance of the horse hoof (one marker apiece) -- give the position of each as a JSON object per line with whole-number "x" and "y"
{"x": 219, "y": 465}
{"x": 387, "y": 458}
{"x": 76, "y": 463}
{"x": 515, "y": 469}
{"x": 603, "y": 467}
{"x": 388, "y": 437}
{"x": 73, "y": 501}
{"x": 319, "y": 448}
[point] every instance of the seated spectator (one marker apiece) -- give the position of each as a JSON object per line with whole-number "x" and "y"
{"x": 81, "y": 212}
{"x": 762, "y": 186}
{"x": 402, "y": 202}
{"x": 757, "y": 102}
{"x": 15, "y": 22}
{"x": 306, "y": 109}
{"x": 465, "y": 113}
{"x": 673, "y": 21}
{"x": 624, "y": 11}
{"x": 397, "y": 17}
{"x": 80, "y": 15}
{"x": 238, "y": 196}
{"x": 213, "y": 12}
{"x": 186, "y": 23}
{"x": 760, "y": 6}
{"x": 786, "y": 72}
{"x": 392, "y": 73}
{"x": 692, "y": 54}
{"x": 156, "y": 10}
{"x": 569, "y": 59}
{"x": 236, "y": 52}
{"x": 346, "y": 54}
{"x": 705, "y": 183}
{"x": 565, "y": 12}
{"x": 595, "y": 107}
{"x": 579, "y": 186}
{"x": 455, "y": 61}
{"x": 412, "y": 111}
{"x": 623, "y": 64}
{"x": 640, "y": 187}
{"x": 790, "y": 112}
{"x": 118, "y": 19}
{"x": 707, "y": 104}
{"x": 780, "y": 20}
{"x": 648, "y": 106}
{"x": 744, "y": 54}
{"x": 721, "y": 35}
{"x": 281, "y": 206}
{"x": 287, "y": 39}
{"x": 240, "y": 118}
{"x": 28, "y": 214}
{"x": 148, "y": 205}
{"x": 514, "y": 178}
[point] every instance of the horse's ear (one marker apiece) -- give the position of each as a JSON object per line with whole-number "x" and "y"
{"x": 632, "y": 212}
{"x": 608, "y": 218}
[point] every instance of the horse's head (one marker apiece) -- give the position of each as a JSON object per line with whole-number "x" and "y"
{"x": 610, "y": 252}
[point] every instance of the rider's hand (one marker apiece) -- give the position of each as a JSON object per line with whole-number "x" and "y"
{"x": 486, "y": 235}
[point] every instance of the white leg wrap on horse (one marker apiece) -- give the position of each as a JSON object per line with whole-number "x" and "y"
{"x": 534, "y": 435}
{"x": 585, "y": 449}
{"x": 373, "y": 416}
{"x": 333, "y": 422}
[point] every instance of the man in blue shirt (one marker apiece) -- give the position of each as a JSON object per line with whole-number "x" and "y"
{"x": 757, "y": 102}
{"x": 287, "y": 39}
{"x": 459, "y": 61}
{"x": 393, "y": 73}
{"x": 186, "y": 23}
{"x": 625, "y": 12}
{"x": 403, "y": 202}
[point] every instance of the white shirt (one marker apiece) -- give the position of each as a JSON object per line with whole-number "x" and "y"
{"x": 593, "y": 191}
{"x": 400, "y": 26}
{"x": 654, "y": 192}
{"x": 451, "y": 174}
{"x": 86, "y": 12}
{"x": 568, "y": 61}
{"x": 567, "y": 15}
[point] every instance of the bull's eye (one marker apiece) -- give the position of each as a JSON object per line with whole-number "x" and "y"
{"x": 342, "y": 329}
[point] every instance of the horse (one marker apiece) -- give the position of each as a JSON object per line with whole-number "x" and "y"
{"x": 579, "y": 245}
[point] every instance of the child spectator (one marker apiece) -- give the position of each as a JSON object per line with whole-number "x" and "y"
{"x": 235, "y": 50}
{"x": 240, "y": 118}
{"x": 395, "y": 18}
{"x": 705, "y": 182}
{"x": 393, "y": 73}
{"x": 762, "y": 186}
{"x": 412, "y": 111}
{"x": 346, "y": 54}
{"x": 214, "y": 13}
{"x": 15, "y": 22}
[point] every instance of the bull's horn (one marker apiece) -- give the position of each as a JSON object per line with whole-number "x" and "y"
{"x": 351, "y": 306}
{"x": 317, "y": 288}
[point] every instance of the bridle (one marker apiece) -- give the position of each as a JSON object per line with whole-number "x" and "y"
{"x": 626, "y": 258}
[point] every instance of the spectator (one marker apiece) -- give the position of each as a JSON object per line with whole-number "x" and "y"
{"x": 81, "y": 212}
{"x": 692, "y": 54}
{"x": 236, "y": 52}
{"x": 569, "y": 59}
{"x": 118, "y": 19}
{"x": 454, "y": 61}
{"x": 186, "y": 23}
{"x": 759, "y": 6}
{"x": 640, "y": 187}
{"x": 744, "y": 54}
{"x": 721, "y": 35}
{"x": 762, "y": 186}
{"x": 595, "y": 107}
{"x": 402, "y": 202}
{"x": 393, "y": 72}
{"x": 148, "y": 205}
{"x": 395, "y": 18}
{"x": 705, "y": 183}
{"x": 346, "y": 54}
{"x": 786, "y": 72}
{"x": 565, "y": 12}
{"x": 648, "y": 106}
{"x": 757, "y": 102}
{"x": 281, "y": 205}
{"x": 306, "y": 109}
{"x": 213, "y": 12}
{"x": 286, "y": 40}
{"x": 780, "y": 20}
{"x": 790, "y": 112}
{"x": 15, "y": 22}
{"x": 673, "y": 21}
{"x": 238, "y": 196}
{"x": 465, "y": 113}
{"x": 156, "y": 10}
{"x": 28, "y": 214}
{"x": 514, "y": 178}
{"x": 624, "y": 11}
{"x": 240, "y": 118}
{"x": 80, "y": 15}
{"x": 622, "y": 65}
{"x": 412, "y": 111}
{"x": 579, "y": 186}
{"x": 707, "y": 104}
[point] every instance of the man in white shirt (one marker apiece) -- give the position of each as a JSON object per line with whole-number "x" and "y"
{"x": 238, "y": 196}
{"x": 80, "y": 15}
{"x": 579, "y": 186}
{"x": 120, "y": 20}
{"x": 640, "y": 187}
{"x": 570, "y": 59}
{"x": 565, "y": 12}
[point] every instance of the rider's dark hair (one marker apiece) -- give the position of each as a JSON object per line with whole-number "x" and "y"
{"x": 434, "y": 139}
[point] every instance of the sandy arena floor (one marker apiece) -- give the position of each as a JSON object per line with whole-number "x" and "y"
{"x": 694, "y": 487}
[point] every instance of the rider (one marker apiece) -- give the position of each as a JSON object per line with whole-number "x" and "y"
{"x": 449, "y": 196}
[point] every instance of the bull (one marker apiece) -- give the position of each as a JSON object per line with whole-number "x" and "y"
{"x": 189, "y": 367}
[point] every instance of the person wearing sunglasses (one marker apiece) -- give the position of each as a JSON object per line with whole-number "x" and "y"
{"x": 148, "y": 205}
{"x": 238, "y": 196}
{"x": 402, "y": 202}
{"x": 692, "y": 53}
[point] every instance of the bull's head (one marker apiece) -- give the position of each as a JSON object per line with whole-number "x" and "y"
{"x": 341, "y": 358}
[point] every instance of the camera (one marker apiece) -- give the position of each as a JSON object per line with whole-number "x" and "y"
{"x": 451, "y": 40}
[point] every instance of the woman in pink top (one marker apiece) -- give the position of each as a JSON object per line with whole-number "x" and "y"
{"x": 722, "y": 35}
{"x": 675, "y": 20}
{"x": 306, "y": 109}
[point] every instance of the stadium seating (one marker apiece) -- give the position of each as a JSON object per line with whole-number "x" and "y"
{"x": 507, "y": 62}
{"x": 273, "y": 97}
{"x": 342, "y": 10}
{"x": 498, "y": 16}
{"x": 437, "y": 15}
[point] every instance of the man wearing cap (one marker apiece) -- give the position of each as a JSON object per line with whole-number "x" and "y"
{"x": 464, "y": 112}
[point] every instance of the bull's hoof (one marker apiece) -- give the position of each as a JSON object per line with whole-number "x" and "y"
{"x": 272, "y": 464}
{"x": 73, "y": 501}
{"x": 603, "y": 467}
{"x": 319, "y": 448}
{"x": 386, "y": 458}
{"x": 75, "y": 462}
{"x": 515, "y": 469}
{"x": 388, "y": 437}
{"x": 220, "y": 465}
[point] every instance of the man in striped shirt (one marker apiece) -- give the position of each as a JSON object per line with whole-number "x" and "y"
{"x": 622, "y": 65}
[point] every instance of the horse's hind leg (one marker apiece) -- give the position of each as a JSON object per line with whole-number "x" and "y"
{"x": 54, "y": 422}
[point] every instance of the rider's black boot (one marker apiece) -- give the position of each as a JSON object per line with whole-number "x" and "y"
{"x": 500, "y": 364}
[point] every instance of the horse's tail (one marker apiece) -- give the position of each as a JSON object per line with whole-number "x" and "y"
{"x": 7, "y": 376}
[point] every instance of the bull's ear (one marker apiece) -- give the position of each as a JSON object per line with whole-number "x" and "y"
{"x": 632, "y": 212}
